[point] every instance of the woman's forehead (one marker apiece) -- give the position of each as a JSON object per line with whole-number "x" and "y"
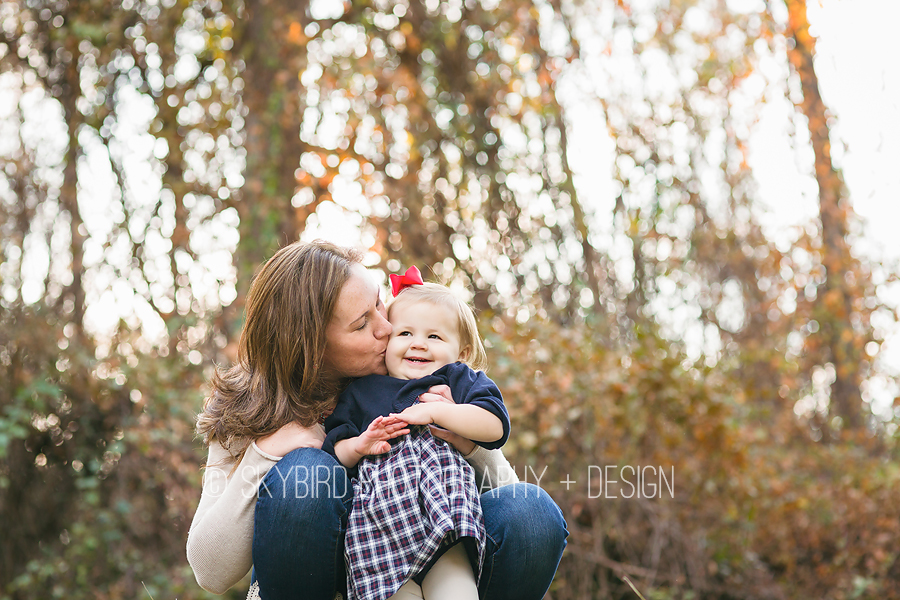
{"x": 358, "y": 293}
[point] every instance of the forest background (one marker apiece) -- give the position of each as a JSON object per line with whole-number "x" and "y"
{"x": 154, "y": 152}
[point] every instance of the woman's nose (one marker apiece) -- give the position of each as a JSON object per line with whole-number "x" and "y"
{"x": 383, "y": 327}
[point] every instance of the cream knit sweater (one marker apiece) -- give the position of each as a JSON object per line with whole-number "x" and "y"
{"x": 219, "y": 544}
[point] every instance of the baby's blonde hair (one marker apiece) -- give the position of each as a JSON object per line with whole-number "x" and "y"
{"x": 471, "y": 350}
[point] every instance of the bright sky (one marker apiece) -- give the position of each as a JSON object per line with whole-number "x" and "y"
{"x": 859, "y": 76}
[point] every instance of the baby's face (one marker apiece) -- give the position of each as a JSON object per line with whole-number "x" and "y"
{"x": 424, "y": 339}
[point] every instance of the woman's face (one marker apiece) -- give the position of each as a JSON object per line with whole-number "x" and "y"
{"x": 357, "y": 336}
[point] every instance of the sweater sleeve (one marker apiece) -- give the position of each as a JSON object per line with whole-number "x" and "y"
{"x": 220, "y": 540}
{"x": 344, "y": 421}
{"x": 492, "y": 470}
{"x": 474, "y": 387}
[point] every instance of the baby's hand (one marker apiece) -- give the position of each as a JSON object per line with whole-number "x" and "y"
{"x": 417, "y": 414}
{"x": 441, "y": 393}
{"x": 374, "y": 440}
{"x": 464, "y": 445}
{"x": 437, "y": 393}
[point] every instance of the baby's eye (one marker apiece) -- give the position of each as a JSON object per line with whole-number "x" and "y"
{"x": 402, "y": 333}
{"x": 434, "y": 336}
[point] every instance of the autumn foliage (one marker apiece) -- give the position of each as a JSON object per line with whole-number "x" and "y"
{"x": 759, "y": 509}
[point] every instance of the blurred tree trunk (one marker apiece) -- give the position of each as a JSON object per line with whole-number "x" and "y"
{"x": 70, "y": 91}
{"x": 272, "y": 46}
{"x": 842, "y": 346}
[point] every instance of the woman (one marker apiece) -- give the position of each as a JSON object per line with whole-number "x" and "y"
{"x": 272, "y": 498}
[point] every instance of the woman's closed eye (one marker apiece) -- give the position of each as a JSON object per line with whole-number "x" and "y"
{"x": 365, "y": 322}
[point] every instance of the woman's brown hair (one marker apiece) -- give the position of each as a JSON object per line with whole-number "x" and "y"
{"x": 278, "y": 377}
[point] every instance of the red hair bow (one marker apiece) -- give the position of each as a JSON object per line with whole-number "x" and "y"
{"x": 400, "y": 282}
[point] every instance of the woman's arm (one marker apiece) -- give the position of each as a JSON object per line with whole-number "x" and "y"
{"x": 220, "y": 540}
{"x": 290, "y": 437}
{"x": 492, "y": 470}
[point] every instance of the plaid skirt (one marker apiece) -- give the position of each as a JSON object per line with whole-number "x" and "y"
{"x": 409, "y": 506}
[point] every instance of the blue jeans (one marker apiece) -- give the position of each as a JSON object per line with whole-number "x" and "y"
{"x": 301, "y": 517}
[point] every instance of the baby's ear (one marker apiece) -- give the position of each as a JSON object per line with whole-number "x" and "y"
{"x": 465, "y": 354}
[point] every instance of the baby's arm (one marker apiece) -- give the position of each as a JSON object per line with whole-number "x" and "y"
{"x": 477, "y": 411}
{"x": 374, "y": 440}
{"x": 468, "y": 420}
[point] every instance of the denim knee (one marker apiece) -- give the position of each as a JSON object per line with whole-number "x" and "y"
{"x": 526, "y": 538}
{"x": 301, "y": 515}
{"x": 309, "y": 483}
{"x": 528, "y": 513}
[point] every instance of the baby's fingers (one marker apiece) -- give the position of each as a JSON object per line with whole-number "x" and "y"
{"x": 397, "y": 425}
{"x": 441, "y": 391}
{"x": 390, "y": 420}
{"x": 432, "y": 397}
{"x": 379, "y": 427}
{"x": 381, "y": 448}
{"x": 394, "y": 434}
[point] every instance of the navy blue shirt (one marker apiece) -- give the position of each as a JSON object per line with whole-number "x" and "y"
{"x": 373, "y": 396}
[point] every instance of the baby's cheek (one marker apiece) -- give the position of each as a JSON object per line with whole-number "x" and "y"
{"x": 390, "y": 362}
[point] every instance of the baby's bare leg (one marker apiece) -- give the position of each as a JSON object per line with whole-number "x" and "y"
{"x": 408, "y": 591}
{"x": 451, "y": 577}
